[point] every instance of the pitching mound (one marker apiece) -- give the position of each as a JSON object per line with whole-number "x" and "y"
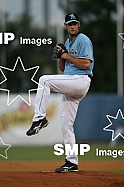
{"x": 41, "y": 174}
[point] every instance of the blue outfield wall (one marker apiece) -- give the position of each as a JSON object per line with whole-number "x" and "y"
{"x": 91, "y": 117}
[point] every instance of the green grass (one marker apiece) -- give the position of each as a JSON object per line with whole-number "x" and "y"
{"x": 47, "y": 153}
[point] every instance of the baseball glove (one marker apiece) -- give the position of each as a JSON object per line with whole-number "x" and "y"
{"x": 57, "y": 52}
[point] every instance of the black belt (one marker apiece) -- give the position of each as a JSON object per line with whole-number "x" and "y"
{"x": 90, "y": 76}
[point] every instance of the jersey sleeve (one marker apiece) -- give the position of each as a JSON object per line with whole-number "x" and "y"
{"x": 85, "y": 49}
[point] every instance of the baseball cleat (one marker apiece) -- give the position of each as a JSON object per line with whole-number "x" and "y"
{"x": 36, "y": 126}
{"x": 67, "y": 167}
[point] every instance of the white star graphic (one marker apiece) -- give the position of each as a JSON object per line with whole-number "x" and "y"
{"x": 3, "y": 76}
{"x": 19, "y": 96}
{"x": 122, "y": 37}
{"x": 8, "y": 146}
{"x": 119, "y": 113}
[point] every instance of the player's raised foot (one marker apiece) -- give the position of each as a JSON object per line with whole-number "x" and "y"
{"x": 36, "y": 126}
{"x": 67, "y": 167}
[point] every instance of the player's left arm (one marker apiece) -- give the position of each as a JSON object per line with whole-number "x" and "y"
{"x": 61, "y": 64}
{"x": 80, "y": 62}
{"x": 84, "y": 55}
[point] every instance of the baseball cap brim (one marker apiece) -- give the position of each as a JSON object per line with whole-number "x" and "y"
{"x": 67, "y": 22}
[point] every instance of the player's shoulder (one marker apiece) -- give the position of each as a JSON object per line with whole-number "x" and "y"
{"x": 82, "y": 36}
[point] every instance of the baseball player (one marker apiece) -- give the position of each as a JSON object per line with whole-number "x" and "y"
{"x": 76, "y": 62}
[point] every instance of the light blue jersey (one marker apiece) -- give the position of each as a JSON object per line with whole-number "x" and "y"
{"x": 80, "y": 47}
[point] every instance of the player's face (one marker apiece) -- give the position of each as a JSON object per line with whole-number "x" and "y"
{"x": 72, "y": 28}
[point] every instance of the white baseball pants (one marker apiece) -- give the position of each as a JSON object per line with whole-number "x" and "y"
{"x": 73, "y": 88}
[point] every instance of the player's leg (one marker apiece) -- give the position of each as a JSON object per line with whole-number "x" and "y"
{"x": 40, "y": 121}
{"x": 68, "y": 115}
{"x": 65, "y": 84}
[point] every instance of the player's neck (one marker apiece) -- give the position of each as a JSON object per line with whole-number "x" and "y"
{"x": 73, "y": 36}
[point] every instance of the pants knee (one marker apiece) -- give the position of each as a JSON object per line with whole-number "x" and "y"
{"x": 42, "y": 79}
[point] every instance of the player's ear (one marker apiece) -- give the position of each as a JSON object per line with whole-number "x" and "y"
{"x": 79, "y": 24}
{"x": 65, "y": 25}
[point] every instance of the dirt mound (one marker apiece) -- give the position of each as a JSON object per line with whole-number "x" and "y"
{"x": 29, "y": 174}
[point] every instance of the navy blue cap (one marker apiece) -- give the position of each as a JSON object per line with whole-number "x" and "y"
{"x": 71, "y": 18}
